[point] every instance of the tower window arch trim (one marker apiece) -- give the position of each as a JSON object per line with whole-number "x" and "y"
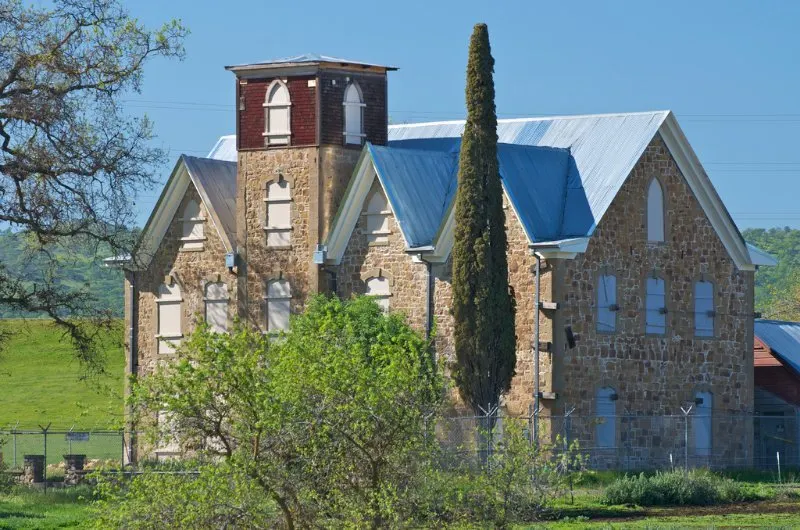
{"x": 277, "y": 114}
{"x": 353, "y": 114}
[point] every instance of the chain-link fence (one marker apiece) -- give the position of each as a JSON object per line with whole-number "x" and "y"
{"x": 638, "y": 442}
{"x": 98, "y": 446}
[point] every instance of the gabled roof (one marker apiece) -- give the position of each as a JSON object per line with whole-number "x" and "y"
{"x": 783, "y": 338}
{"x": 215, "y": 181}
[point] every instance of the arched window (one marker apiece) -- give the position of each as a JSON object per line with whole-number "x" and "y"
{"x": 607, "y": 303}
{"x": 216, "y": 299}
{"x": 703, "y": 403}
{"x": 353, "y": 114}
{"x": 606, "y": 412}
{"x": 704, "y": 309}
{"x": 278, "y": 114}
{"x": 655, "y": 306}
{"x": 169, "y": 303}
{"x": 278, "y": 222}
{"x": 193, "y": 235}
{"x": 655, "y": 211}
{"x": 377, "y": 213}
{"x": 379, "y": 288}
{"x": 278, "y": 304}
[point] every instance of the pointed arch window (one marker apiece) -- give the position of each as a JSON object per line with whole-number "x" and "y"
{"x": 216, "y": 300}
{"x": 704, "y": 312}
{"x": 606, "y": 412}
{"x": 278, "y": 305}
{"x": 377, "y": 213}
{"x": 278, "y": 222}
{"x": 655, "y": 212}
{"x": 353, "y": 114}
{"x": 277, "y": 108}
{"x": 169, "y": 303}
{"x": 193, "y": 235}
{"x": 379, "y": 288}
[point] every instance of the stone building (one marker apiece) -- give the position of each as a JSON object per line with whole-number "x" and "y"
{"x": 622, "y": 256}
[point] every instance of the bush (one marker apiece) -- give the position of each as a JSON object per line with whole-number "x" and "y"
{"x": 678, "y": 488}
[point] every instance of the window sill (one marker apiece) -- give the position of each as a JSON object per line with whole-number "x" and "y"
{"x": 278, "y": 228}
{"x": 196, "y": 249}
{"x": 378, "y": 244}
{"x": 169, "y": 337}
{"x": 279, "y": 247}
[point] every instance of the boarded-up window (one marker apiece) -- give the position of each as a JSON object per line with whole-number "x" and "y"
{"x": 378, "y": 287}
{"x": 704, "y": 309}
{"x": 377, "y": 215}
{"x": 353, "y": 115}
{"x": 193, "y": 236}
{"x": 606, "y": 413}
{"x": 217, "y": 306}
{"x": 169, "y": 303}
{"x": 278, "y": 223}
{"x": 655, "y": 211}
{"x": 278, "y": 305}
{"x": 701, "y": 423}
{"x": 656, "y": 307}
{"x": 607, "y": 303}
{"x": 278, "y": 107}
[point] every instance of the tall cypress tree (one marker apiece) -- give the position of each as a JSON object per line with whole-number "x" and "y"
{"x": 483, "y": 308}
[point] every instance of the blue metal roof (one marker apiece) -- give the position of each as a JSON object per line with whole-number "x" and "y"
{"x": 553, "y": 201}
{"x": 783, "y": 338}
{"x": 225, "y": 149}
{"x": 420, "y": 185}
{"x": 215, "y": 180}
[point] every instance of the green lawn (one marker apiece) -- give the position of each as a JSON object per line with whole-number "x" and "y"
{"x": 41, "y": 382}
{"x": 67, "y": 508}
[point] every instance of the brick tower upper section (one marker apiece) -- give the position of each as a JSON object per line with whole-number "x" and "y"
{"x": 310, "y": 100}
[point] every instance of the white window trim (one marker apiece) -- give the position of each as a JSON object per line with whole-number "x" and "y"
{"x": 226, "y": 301}
{"x": 269, "y": 134}
{"x": 267, "y": 299}
{"x": 361, "y": 105}
{"x": 663, "y": 207}
{"x": 168, "y": 336}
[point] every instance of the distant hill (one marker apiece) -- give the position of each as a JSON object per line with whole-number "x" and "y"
{"x": 77, "y": 267}
{"x": 777, "y": 287}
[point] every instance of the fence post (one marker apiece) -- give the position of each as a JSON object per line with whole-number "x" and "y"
{"x": 44, "y": 431}
{"x": 14, "y": 431}
{"x": 122, "y": 438}
{"x": 686, "y": 437}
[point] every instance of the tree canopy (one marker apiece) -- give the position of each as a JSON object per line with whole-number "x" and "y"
{"x": 72, "y": 160}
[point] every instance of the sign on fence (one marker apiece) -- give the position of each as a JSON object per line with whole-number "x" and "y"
{"x": 73, "y": 436}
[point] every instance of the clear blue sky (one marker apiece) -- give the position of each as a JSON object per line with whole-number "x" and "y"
{"x": 728, "y": 69}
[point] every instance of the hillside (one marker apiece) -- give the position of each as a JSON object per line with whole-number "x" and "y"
{"x": 42, "y": 382}
{"x": 777, "y": 287}
{"x": 78, "y": 267}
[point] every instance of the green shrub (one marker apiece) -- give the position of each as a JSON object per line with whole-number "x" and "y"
{"x": 677, "y": 488}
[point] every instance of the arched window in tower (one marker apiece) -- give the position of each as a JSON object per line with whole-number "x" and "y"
{"x": 169, "y": 302}
{"x": 193, "y": 234}
{"x": 353, "y": 114}
{"x": 655, "y": 211}
{"x": 377, "y": 213}
{"x": 278, "y": 114}
{"x": 278, "y": 222}
{"x": 379, "y": 288}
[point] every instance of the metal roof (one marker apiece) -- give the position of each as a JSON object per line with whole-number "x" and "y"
{"x": 225, "y": 149}
{"x": 760, "y": 257}
{"x": 603, "y": 149}
{"x": 307, "y": 59}
{"x": 215, "y": 181}
{"x": 420, "y": 185}
{"x": 783, "y": 338}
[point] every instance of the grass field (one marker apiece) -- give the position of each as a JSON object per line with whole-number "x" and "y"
{"x": 67, "y": 508}
{"x": 41, "y": 382}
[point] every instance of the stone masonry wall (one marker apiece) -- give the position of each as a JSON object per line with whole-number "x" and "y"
{"x": 658, "y": 374}
{"x": 256, "y": 168}
{"x": 408, "y": 279}
{"x": 191, "y": 269}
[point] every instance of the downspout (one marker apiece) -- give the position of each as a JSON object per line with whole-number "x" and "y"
{"x": 536, "y": 392}
{"x": 134, "y": 354}
{"x": 429, "y": 301}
